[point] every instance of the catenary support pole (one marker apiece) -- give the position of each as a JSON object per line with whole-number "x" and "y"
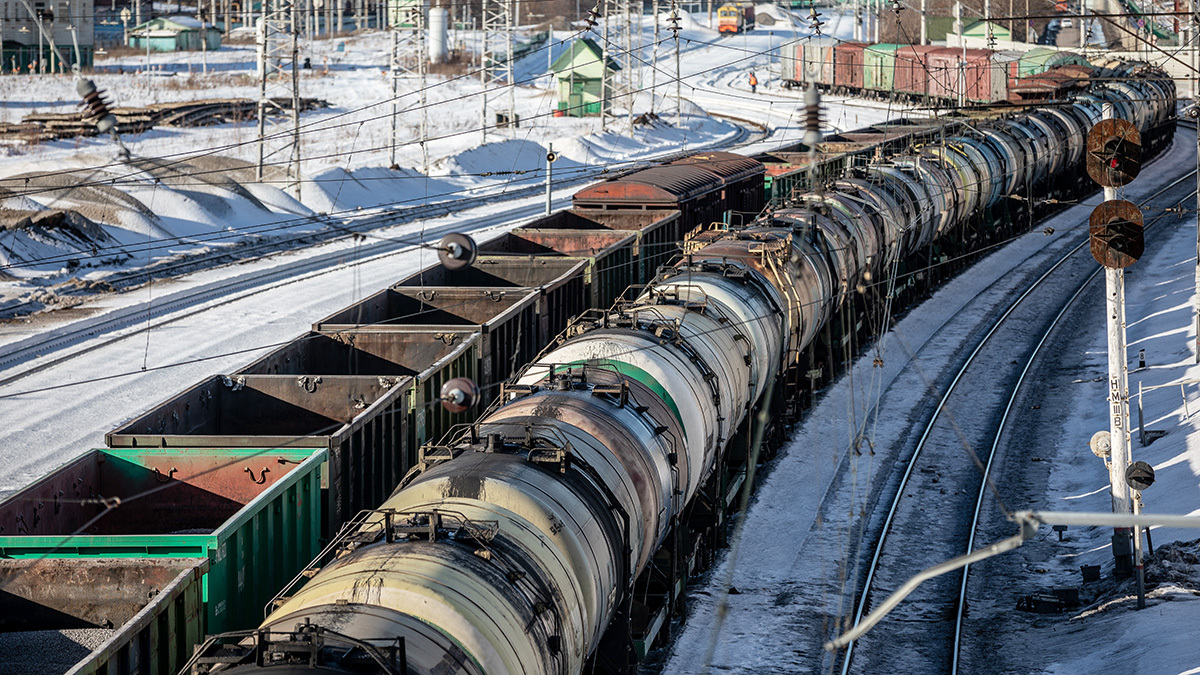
{"x": 924, "y": 21}
{"x": 549, "y": 173}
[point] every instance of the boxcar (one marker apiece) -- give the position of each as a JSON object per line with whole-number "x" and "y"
{"x": 807, "y": 61}
{"x": 879, "y": 67}
{"x": 848, "y": 65}
{"x": 912, "y": 70}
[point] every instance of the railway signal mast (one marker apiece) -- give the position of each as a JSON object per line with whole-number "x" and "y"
{"x": 497, "y": 44}
{"x": 279, "y": 143}
{"x": 1113, "y": 160}
{"x": 410, "y": 59}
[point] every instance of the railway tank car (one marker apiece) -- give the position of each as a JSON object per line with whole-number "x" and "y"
{"x": 515, "y": 545}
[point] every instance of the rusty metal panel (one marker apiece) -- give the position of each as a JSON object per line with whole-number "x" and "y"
{"x": 663, "y": 185}
{"x": 254, "y": 513}
{"x": 63, "y": 593}
{"x": 658, "y": 232}
{"x": 1114, "y": 152}
{"x": 1117, "y": 238}
{"x": 428, "y": 359}
{"x": 493, "y": 271}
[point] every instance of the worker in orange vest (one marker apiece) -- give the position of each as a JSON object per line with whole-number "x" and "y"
{"x": 753, "y": 82}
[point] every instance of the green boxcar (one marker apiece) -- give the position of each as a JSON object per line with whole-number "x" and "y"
{"x": 879, "y": 66}
{"x": 425, "y": 361}
{"x": 253, "y": 513}
{"x": 608, "y": 255}
{"x": 155, "y": 605}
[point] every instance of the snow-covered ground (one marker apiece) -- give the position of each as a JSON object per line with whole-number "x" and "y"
{"x": 199, "y": 194}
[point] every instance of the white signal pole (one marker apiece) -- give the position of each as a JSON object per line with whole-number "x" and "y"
{"x": 1118, "y": 373}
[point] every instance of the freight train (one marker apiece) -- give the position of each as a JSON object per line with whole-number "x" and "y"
{"x": 561, "y": 526}
{"x": 932, "y": 74}
{"x": 554, "y": 532}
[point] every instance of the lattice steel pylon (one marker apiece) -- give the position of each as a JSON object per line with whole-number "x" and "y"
{"x": 621, "y": 37}
{"x": 279, "y": 95}
{"x": 410, "y": 60}
{"x": 497, "y": 45}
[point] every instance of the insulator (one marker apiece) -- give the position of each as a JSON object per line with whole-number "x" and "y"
{"x": 97, "y": 105}
{"x": 812, "y": 116}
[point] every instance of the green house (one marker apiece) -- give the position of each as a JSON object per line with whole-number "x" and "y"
{"x": 580, "y": 76}
{"x": 175, "y": 34}
{"x": 979, "y": 29}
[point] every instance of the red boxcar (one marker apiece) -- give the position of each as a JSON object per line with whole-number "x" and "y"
{"x": 912, "y": 73}
{"x": 977, "y": 77}
{"x": 848, "y": 65}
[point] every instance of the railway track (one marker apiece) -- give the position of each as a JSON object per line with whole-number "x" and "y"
{"x": 140, "y": 316}
{"x": 935, "y": 486}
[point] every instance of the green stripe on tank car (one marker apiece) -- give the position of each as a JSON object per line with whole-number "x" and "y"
{"x": 641, "y": 376}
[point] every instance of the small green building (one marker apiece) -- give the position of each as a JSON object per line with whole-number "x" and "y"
{"x": 175, "y": 34}
{"x": 979, "y": 29}
{"x": 580, "y": 74}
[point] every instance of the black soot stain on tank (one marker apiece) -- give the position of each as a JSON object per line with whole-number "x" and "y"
{"x": 465, "y": 486}
{"x": 550, "y": 410}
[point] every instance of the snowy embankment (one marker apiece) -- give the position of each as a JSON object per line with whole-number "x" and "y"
{"x": 190, "y": 191}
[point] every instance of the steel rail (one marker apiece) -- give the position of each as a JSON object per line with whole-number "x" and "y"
{"x": 962, "y": 593}
{"x": 912, "y": 462}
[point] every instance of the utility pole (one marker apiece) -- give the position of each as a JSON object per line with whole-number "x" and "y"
{"x": 1082, "y": 24}
{"x": 962, "y": 61}
{"x": 654, "y": 69}
{"x": 279, "y": 74}
{"x": 857, "y": 22}
{"x": 629, "y": 59}
{"x": 924, "y": 36}
{"x": 678, "y": 79}
{"x": 605, "y": 86}
{"x": 409, "y": 60}
{"x": 550, "y": 157}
